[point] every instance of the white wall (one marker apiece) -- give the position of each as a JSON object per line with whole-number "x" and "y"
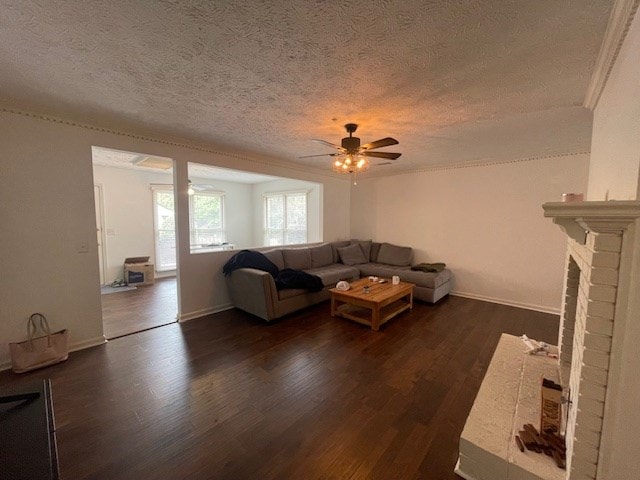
{"x": 314, "y": 206}
{"x": 485, "y": 222}
{"x": 128, "y": 215}
{"x": 614, "y": 175}
{"x": 47, "y": 209}
{"x": 237, "y": 206}
{"x": 615, "y": 144}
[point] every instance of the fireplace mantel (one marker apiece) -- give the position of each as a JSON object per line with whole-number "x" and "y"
{"x": 578, "y": 218}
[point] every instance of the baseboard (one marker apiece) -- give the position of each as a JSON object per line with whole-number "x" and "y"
{"x": 528, "y": 306}
{"x": 167, "y": 274}
{"x": 185, "y": 317}
{"x": 92, "y": 342}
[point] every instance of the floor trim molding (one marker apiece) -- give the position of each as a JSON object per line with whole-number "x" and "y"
{"x": 501, "y": 301}
{"x": 92, "y": 342}
{"x": 185, "y": 317}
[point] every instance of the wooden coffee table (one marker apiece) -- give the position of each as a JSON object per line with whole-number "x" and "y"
{"x": 383, "y": 302}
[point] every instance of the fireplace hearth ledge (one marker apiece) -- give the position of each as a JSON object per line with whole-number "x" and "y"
{"x": 508, "y": 398}
{"x": 579, "y": 218}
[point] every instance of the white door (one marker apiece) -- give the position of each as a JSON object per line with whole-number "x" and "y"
{"x": 97, "y": 193}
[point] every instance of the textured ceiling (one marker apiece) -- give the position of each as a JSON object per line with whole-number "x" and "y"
{"x": 453, "y": 81}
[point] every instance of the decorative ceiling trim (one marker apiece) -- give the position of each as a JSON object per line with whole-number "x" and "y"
{"x": 182, "y": 144}
{"x": 622, "y": 15}
{"x": 290, "y": 166}
{"x": 484, "y": 163}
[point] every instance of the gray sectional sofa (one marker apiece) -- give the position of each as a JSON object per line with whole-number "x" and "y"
{"x": 254, "y": 291}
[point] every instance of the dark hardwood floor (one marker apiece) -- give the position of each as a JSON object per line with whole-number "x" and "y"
{"x": 308, "y": 397}
{"x": 145, "y": 307}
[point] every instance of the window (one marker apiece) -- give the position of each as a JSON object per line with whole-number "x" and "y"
{"x": 164, "y": 221}
{"x": 285, "y": 218}
{"x": 206, "y": 219}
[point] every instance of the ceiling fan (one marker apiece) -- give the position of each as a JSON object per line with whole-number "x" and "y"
{"x": 198, "y": 187}
{"x": 351, "y": 155}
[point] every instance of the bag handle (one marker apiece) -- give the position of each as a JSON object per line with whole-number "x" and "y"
{"x": 32, "y": 327}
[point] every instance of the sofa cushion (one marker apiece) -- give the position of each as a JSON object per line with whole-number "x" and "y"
{"x": 291, "y": 293}
{"x": 380, "y": 270}
{"x": 352, "y": 255}
{"x": 335, "y": 246}
{"x": 420, "y": 279}
{"x": 432, "y": 279}
{"x": 321, "y": 255}
{"x": 297, "y": 258}
{"x": 375, "y": 248}
{"x": 394, "y": 255}
{"x": 332, "y": 274}
{"x": 276, "y": 257}
{"x": 365, "y": 245}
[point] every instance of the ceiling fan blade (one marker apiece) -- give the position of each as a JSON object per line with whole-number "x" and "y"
{"x": 329, "y": 144}
{"x": 201, "y": 187}
{"x": 383, "y": 142}
{"x": 322, "y": 155}
{"x": 383, "y": 163}
{"x": 387, "y": 155}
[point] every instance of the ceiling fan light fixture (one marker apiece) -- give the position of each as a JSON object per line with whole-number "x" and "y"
{"x": 349, "y": 164}
{"x": 352, "y": 157}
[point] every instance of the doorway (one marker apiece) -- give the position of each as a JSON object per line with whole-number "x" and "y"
{"x": 127, "y": 213}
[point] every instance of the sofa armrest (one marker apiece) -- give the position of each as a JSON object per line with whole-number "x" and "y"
{"x": 253, "y": 291}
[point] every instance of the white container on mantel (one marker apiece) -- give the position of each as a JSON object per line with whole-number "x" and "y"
{"x": 572, "y": 197}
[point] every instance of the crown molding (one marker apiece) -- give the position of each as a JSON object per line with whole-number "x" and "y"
{"x": 182, "y": 143}
{"x": 622, "y": 15}
{"x": 475, "y": 164}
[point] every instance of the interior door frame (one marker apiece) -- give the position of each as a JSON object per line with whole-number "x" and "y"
{"x": 102, "y": 254}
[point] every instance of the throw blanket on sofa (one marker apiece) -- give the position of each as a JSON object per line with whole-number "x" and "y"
{"x": 286, "y": 278}
{"x": 429, "y": 267}
{"x": 250, "y": 259}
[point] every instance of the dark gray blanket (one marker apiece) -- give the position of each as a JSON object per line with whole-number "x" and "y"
{"x": 285, "y": 278}
{"x": 289, "y": 278}
{"x": 250, "y": 259}
{"x": 429, "y": 267}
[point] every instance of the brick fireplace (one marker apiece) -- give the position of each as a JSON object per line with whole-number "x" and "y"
{"x": 599, "y": 282}
{"x": 596, "y": 282}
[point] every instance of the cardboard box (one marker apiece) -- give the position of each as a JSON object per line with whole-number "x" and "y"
{"x": 138, "y": 271}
